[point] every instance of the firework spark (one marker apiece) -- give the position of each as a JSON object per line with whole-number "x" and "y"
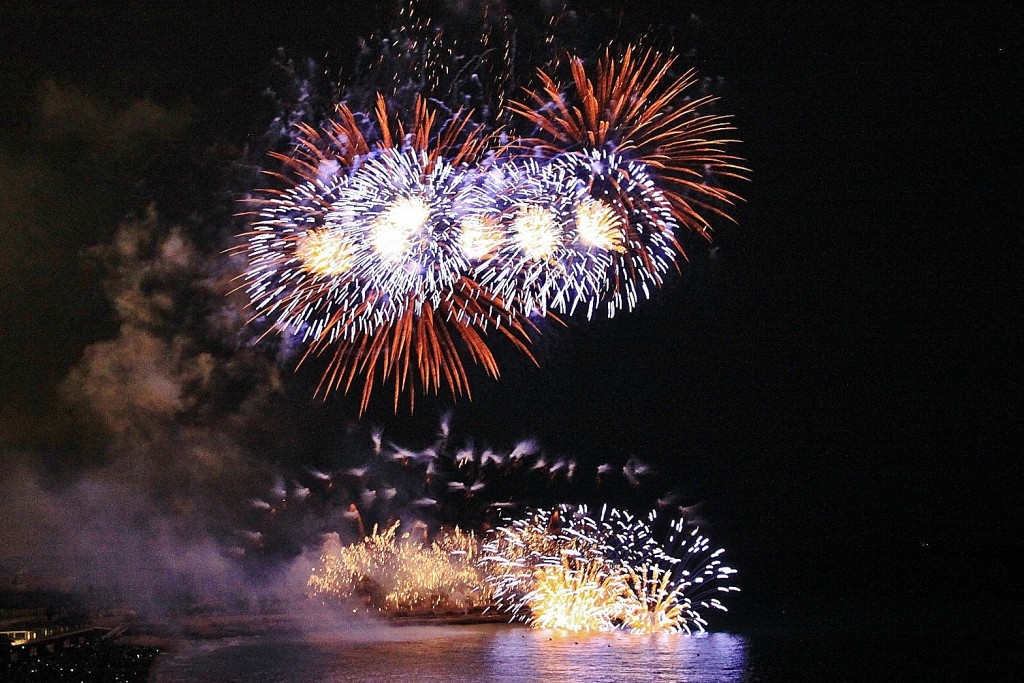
{"x": 575, "y": 596}
{"x": 481, "y": 236}
{"x": 324, "y": 252}
{"x": 599, "y": 225}
{"x": 651, "y": 602}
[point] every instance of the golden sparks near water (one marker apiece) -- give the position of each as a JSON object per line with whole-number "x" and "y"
{"x": 563, "y": 570}
{"x": 650, "y": 602}
{"x": 575, "y": 596}
{"x": 571, "y": 571}
{"x": 392, "y": 572}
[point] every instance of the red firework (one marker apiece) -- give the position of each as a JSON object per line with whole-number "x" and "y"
{"x": 633, "y": 105}
{"x": 410, "y": 339}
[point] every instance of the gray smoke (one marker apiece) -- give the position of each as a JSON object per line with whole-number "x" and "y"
{"x": 157, "y": 516}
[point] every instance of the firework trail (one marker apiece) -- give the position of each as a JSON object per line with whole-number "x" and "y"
{"x": 407, "y": 236}
{"x": 446, "y": 483}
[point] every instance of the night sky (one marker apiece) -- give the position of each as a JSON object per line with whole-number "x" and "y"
{"x": 833, "y": 379}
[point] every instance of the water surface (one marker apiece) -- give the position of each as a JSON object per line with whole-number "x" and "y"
{"x": 457, "y": 654}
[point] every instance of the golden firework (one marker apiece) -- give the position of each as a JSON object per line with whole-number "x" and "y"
{"x": 325, "y": 252}
{"x": 599, "y": 225}
{"x": 394, "y": 572}
{"x": 392, "y": 232}
{"x": 537, "y": 232}
{"x": 575, "y": 596}
{"x": 649, "y": 603}
{"x": 481, "y": 236}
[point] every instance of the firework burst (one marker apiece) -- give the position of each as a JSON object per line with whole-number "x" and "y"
{"x": 516, "y": 553}
{"x": 299, "y": 269}
{"x": 575, "y": 596}
{"x": 540, "y": 265}
{"x": 651, "y": 602}
{"x": 625, "y": 225}
{"x": 407, "y": 236}
{"x": 367, "y": 265}
{"x": 632, "y": 104}
{"x": 572, "y": 571}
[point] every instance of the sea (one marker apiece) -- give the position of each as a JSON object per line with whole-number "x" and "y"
{"x": 516, "y": 654}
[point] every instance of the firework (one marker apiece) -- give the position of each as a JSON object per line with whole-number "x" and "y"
{"x": 633, "y": 105}
{"x": 298, "y": 273}
{"x": 651, "y": 602}
{"x": 516, "y": 553}
{"x": 699, "y": 572}
{"x": 575, "y": 596}
{"x": 541, "y": 265}
{"x": 625, "y": 225}
{"x": 572, "y": 571}
{"x": 368, "y": 266}
{"x": 565, "y": 567}
{"x": 407, "y": 237}
{"x": 583, "y": 231}
{"x": 391, "y": 572}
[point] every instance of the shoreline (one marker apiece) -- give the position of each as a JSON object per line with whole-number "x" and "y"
{"x": 164, "y": 635}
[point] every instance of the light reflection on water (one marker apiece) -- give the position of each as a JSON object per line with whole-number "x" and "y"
{"x": 470, "y": 654}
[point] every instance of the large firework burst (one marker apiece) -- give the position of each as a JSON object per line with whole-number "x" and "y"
{"x": 405, "y": 238}
{"x": 362, "y": 256}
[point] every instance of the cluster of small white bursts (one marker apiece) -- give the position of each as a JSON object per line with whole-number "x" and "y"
{"x": 405, "y": 230}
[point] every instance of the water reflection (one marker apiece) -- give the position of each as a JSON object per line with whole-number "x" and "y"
{"x": 459, "y": 655}
{"x": 529, "y": 655}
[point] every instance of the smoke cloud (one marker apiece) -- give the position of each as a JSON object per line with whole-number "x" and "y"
{"x": 68, "y": 174}
{"x": 178, "y": 398}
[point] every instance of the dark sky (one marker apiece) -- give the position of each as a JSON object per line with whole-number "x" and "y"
{"x": 834, "y": 380}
